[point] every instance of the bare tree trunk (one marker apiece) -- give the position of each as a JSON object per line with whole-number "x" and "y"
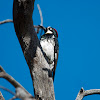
{"x": 39, "y": 68}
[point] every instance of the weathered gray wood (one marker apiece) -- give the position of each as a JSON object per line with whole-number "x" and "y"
{"x": 1, "y": 96}
{"x": 21, "y": 92}
{"x": 39, "y": 68}
{"x": 82, "y": 93}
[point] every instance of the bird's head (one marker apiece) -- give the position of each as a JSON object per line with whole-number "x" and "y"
{"x": 51, "y": 31}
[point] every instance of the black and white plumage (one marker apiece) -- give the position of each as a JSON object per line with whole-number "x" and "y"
{"x": 50, "y": 46}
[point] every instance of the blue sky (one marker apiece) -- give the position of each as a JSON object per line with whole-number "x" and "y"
{"x": 78, "y": 26}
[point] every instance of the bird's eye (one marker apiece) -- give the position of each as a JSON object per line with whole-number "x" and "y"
{"x": 50, "y": 29}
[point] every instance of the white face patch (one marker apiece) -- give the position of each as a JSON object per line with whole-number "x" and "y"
{"x": 48, "y": 32}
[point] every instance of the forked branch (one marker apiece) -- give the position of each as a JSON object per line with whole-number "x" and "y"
{"x": 21, "y": 92}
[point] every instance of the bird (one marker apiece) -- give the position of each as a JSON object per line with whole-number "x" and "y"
{"x": 50, "y": 46}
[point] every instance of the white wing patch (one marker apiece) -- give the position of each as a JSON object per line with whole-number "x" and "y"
{"x": 55, "y": 55}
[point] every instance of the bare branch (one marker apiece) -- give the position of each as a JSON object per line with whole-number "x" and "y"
{"x": 1, "y": 69}
{"x": 82, "y": 93}
{"x": 37, "y": 27}
{"x": 11, "y": 21}
{"x": 20, "y": 90}
{"x": 41, "y": 17}
{"x": 6, "y": 21}
{"x": 7, "y": 90}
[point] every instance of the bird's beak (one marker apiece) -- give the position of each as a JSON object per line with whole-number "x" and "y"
{"x": 43, "y": 28}
{"x": 48, "y": 32}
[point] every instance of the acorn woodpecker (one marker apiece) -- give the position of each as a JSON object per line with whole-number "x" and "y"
{"x": 50, "y": 46}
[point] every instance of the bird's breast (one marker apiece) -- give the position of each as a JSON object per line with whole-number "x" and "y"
{"x": 48, "y": 48}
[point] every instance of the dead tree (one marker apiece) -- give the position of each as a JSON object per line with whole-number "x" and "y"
{"x": 39, "y": 68}
{"x": 23, "y": 23}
